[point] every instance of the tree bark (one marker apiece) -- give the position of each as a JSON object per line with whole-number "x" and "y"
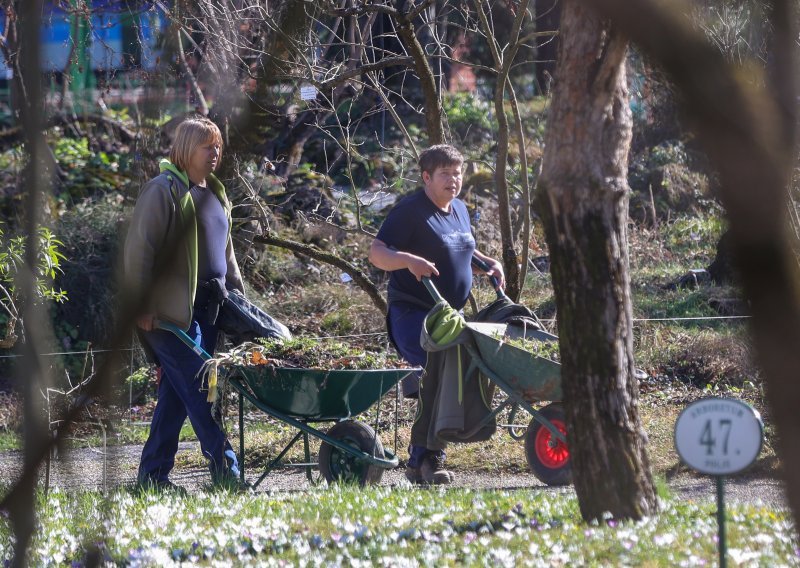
{"x": 583, "y": 195}
{"x": 433, "y": 104}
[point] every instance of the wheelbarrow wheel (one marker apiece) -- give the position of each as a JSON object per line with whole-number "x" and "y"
{"x": 548, "y": 457}
{"x": 338, "y": 465}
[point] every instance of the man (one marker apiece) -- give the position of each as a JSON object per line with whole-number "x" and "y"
{"x": 179, "y": 239}
{"x": 427, "y": 233}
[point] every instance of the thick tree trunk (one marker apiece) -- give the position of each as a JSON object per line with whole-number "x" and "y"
{"x": 583, "y": 195}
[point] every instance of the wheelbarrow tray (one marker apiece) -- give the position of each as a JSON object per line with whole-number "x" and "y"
{"x": 531, "y": 376}
{"x": 318, "y": 394}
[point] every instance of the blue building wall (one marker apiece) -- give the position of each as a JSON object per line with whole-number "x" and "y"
{"x": 112, "y": 23}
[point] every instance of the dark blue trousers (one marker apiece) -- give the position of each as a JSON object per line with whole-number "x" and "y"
{"x": 179, "y": 397}
{"x": 405, "y": 324}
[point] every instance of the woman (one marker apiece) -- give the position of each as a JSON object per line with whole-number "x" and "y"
{"x": 179, "y": 239}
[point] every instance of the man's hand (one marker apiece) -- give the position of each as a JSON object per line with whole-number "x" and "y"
{"x": 389, "y": 259}
{"x": 146, "y": 322}
{"x": 496, "y": 270}
{"x": 420, "y": 267}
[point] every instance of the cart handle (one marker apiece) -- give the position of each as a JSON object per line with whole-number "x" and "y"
{"x": 483, "y": 265}
{"x": 437, "y": 297}
{"x": 183, "y": 336}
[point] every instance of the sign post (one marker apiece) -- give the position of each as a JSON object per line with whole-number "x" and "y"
{"x": 719, "y": 436}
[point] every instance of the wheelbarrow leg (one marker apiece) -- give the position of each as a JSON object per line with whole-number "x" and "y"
{"x": 241, "y": 436}
{"x": 308, "y": 456}
{"x": 277, "y": 460}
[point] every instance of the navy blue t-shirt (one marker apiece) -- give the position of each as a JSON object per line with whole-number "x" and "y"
{"x": 212, "y": 234}
{"x": 417, "y": 226}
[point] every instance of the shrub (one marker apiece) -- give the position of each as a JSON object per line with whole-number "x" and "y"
{"x": 468, "y": 115}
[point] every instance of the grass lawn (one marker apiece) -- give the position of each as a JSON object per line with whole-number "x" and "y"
{"x": 343, "y": 525}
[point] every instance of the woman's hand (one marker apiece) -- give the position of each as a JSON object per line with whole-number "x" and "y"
{"x": 146, "y": 322}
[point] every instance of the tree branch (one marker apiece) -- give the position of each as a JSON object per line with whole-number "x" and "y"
{"x": 393, "y": 111}
{"x": 363, "y": 69}
{"x": 198, "y": 93}
{"x": 361, "y": 279}
{"x": 416, "y": 11}
{"x": 362, "y": 9}
{"x": 781, "y": 69}
{"x": 433, "y": 104}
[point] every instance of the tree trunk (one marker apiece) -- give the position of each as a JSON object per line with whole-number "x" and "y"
{"x": 433, "y": 104}
{"x": 503, "y": 60}
{"x": 583, "y": 196}
{"x": 30, "y": 374}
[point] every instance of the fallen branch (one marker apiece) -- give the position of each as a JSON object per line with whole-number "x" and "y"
{"x": 361, "y": 279}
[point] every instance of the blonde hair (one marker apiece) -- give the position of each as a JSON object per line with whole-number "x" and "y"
{"x": 190, "y": 134}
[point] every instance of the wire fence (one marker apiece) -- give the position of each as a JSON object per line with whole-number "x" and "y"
{"x": 136, "y": 356}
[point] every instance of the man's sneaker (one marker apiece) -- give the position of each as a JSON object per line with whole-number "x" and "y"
{"x": 433, "y": 472}
{"x": 414, "y": 475}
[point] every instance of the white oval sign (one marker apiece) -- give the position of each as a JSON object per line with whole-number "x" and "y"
{"x": 719, "y": 436}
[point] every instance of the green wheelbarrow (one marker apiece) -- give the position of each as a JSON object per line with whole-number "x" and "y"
{"x": 527, "y": 380}
{"x": 350, "y": 450}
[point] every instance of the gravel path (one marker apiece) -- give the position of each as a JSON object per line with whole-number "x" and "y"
{"x": 84, "y": 469}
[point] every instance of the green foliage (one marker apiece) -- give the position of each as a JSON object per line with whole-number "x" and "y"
{"x": 88, "y": 171}
{"x": 337, "y": 322}
{"x": 469, "y": 116}
{"x": 311, "y": 353}
{"x": 547, "y": 349}
{"x": 679, "y": 303}
{"x": 667, "y": 153}
{"x": 694, "y": 236}
{"x": 12, "y": 260}
{"x": 140, "y": 379}
{"x": 141, "y": 384}
{"x": 11, "y": 159}
{"x": 9, "y": 441}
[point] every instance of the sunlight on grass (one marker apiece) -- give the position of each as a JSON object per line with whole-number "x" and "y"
{"x": 385, "y": 526}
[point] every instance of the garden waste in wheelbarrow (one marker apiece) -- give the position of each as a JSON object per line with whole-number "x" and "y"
{"x": 350, "y": 450}
{"x": 527, "y": 379}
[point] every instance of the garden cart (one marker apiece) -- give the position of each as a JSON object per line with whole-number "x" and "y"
{"x": 350, "y": 450}
{"x": 526, "y": 378}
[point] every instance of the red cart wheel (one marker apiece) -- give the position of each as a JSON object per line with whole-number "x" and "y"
{"x": 548, "y": 457}
{"x": 337, "y": 465}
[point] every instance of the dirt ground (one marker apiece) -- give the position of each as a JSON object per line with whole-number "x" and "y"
{"x": 91, "y": 468}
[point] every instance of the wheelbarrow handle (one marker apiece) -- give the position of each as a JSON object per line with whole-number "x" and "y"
{"x": 483, "y": 265}
{"x": 183, "y": 336}
{"x": 437, "y": 297}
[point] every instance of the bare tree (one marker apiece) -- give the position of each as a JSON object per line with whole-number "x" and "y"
{"x": 583, "y": 197}
{"x": 504, "y": 58}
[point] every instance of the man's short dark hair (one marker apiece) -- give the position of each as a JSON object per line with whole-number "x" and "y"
{"x": 440, "y": 155}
